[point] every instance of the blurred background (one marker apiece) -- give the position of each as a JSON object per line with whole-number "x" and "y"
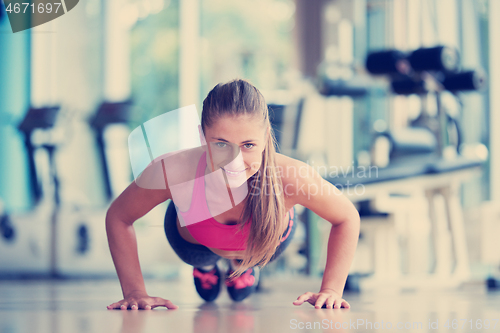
{"x": 392, "y": 101}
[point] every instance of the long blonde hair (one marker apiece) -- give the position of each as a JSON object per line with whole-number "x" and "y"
{"x": 265, "y": 203}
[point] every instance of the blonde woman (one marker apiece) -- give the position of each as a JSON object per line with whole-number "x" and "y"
{"x": 232, "y": 198}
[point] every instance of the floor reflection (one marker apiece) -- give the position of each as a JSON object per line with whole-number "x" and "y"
{"x": 80, "y": 307}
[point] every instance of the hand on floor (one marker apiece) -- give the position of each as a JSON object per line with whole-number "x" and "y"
{"x": 141, "y": 300}
{"x": 326, "y": 298}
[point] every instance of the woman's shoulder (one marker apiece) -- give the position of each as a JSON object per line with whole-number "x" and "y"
{"x": 178, "y": 167}
{"x": 297, "y": 178}
{"x": 285, "y": 160}
{"x": 290, "y": 168}
{"x": 182, "y": 157}
{"x": 285, "y": 167}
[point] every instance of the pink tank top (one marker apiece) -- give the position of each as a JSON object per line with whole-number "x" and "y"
{"x": 209, "y": 232}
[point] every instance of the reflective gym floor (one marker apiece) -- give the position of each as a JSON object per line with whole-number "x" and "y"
{"x": 80, "y": 306}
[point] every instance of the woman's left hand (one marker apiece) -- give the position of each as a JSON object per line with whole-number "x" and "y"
{"x": 325, "y": 298}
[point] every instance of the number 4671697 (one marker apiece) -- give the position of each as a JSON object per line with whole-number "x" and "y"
{"x": 41, "y": 8}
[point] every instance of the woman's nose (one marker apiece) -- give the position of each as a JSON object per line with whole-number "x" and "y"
{"x": 236, "y": 163}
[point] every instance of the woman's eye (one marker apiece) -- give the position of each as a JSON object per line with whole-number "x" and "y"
{"x": 248, "y": 145}
{"x": 221, "y": 144}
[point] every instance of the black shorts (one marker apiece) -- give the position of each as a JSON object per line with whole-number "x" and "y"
{"x": 199, "y": 255}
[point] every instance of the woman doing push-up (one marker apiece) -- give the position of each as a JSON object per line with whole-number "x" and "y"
{"x": 233, "y": 197}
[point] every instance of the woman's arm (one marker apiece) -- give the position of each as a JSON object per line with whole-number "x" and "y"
{"x": 324, "y": 199}
{"x": 132, "y": 204}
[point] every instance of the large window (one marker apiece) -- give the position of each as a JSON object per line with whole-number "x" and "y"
{"x": 154, "y": 43}
{"x": 246, "y": 39}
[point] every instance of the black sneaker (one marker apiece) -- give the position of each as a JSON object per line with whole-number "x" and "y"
{"x": 207, "y": 283}
{"x": 242, "y": 286}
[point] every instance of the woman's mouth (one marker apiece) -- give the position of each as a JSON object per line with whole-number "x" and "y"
{"x": 233, "y": 173}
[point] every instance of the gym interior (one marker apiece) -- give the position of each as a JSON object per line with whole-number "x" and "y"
{"x": 391, "y": 101}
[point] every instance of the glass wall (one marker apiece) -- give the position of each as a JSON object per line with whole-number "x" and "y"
{"x": 154, "y": 52}
{"x": 246, "y": 39}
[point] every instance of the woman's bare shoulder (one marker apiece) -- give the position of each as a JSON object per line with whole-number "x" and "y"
{"x": 290, "y": 168}
{"x": 291, "y": 171}
{"x": 285, "y": 159}
{"x": 177, "y": 167}
{"x": 154, "y": 185}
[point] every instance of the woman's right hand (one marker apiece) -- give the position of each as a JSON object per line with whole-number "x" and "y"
{"x": 141, "y": 300}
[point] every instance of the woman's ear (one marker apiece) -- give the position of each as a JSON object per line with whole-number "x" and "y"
{"x": 202, "y": 136}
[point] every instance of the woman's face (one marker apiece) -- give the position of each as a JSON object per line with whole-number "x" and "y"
{"x": 235, "y": 145}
